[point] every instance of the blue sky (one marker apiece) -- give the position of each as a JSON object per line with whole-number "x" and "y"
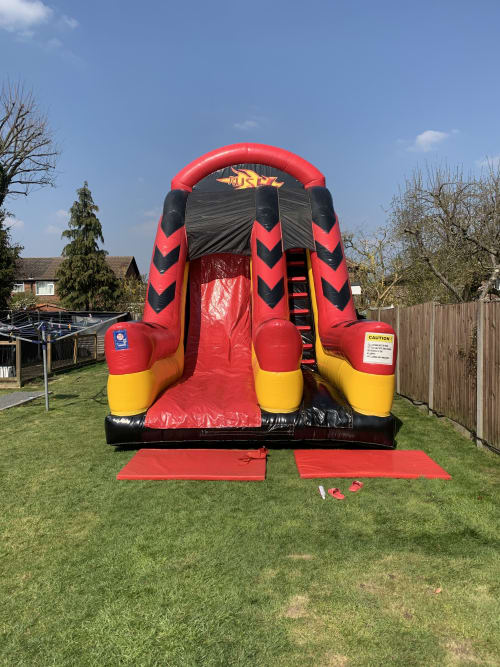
{"x": 134, "y": 91}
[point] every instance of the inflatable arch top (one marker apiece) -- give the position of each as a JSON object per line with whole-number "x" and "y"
{"x": 250, "y": 332}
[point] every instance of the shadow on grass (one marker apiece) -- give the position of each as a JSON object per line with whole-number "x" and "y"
{"x": 235, "y": 444}
{"x": 101, "y": 396}
{"x": 463, "y": 542}
{"x": 397, "y": 425}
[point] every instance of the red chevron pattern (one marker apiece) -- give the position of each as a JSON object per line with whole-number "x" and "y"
{"x": 271, "y": 276}
{"x": 328, "y": 282}
{"x": 169, "y": 316}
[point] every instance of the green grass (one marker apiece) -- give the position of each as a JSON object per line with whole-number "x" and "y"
{"x": 100, "y": 572}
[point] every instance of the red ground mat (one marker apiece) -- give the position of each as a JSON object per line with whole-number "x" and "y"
{"x": 368, "y": 463}
{"x": 217, "y": 388}
{"x": 202, "y": 464}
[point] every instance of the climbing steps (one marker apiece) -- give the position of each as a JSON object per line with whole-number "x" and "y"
{"x": 300, "y": 304}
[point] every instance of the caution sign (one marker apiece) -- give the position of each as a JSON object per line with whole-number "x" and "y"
{"x": 378, "y": 349}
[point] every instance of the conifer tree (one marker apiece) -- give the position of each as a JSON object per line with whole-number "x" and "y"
{"x": 85, "y": 281}
{"x": 9, "y": 253}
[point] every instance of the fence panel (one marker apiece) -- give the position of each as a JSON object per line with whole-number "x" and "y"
{"x": 491, "y": 370}
{"x": 62, "y": 353}
{"x": 455, "y": 362}
{"x": 30, "y": 360}
{"x": 7, "y": 363}
{"x": 387, "y": 315}
{"x": 86, "y": 347}
{"x": 413, "y": 351}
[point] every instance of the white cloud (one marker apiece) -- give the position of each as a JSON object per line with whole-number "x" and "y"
{"x": 52, "y": 229}
{"x": 68, "y": 22}
{"x": 25, "y": 35}
{"x": 246, "y": 125}
{"x": 23, "y": 14}
{"x": 150, "y": 221}
{"x": 54, "y": 43}
{"x": 22, "y": 17}
{"x": 428, "y": 140}
{"x": 14, "y": 223}
{"x": 61, "y": 216}
{"x": 488, "y": 162}
{"x": 152, "y": 213}
{"x": 146, "y": 226}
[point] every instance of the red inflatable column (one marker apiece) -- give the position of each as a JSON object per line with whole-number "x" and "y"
{"x": 356, "y": 356}
{"x": 166, "y": 274}
{"x": 331, "y": 278}
{"x": 276, "y": 341}
{"x": 145, "y": 357}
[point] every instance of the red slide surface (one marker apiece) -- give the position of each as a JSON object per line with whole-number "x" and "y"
{"x": 217, "y": 387}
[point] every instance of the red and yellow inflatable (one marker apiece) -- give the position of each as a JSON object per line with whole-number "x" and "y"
{"x": 250, "y": 330}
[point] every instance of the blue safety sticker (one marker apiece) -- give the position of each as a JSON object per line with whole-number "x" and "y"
{"x": 121, "y": 340}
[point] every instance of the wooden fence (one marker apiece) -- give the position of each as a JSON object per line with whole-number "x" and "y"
{"x": 449, "y": 359}
{"x": 70, "y": 352}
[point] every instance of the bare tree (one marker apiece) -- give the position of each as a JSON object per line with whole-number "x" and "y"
{"x": 27, "y": 151}
{"x": 451, "y": 224}
{"x": 486, "y": 236}
{"x": 376, "y": 264}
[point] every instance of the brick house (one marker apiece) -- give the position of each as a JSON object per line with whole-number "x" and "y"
{"x": 38, "y": 275}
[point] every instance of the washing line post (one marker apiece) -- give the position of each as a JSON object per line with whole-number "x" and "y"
{"x": 45, "y": 373}
{"x": 18, "y": 362}
{"x": 480, "y": 375}
{"x": 49, "y": 353}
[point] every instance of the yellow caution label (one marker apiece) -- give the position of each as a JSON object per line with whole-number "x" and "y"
{"x": 382, "y": 338}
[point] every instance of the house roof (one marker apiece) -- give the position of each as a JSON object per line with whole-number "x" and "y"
{"x": 45, "y": 268}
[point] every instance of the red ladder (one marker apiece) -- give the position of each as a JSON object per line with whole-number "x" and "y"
{"x": 300, "y": 304}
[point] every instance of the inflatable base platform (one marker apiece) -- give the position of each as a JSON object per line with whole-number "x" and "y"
{"x": 320, "y": 418}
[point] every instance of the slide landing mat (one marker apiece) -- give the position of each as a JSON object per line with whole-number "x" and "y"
{"x": 195, "y": 464}
{"x": 401, "y": 464}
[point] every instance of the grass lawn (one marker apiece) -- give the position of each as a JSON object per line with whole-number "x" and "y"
{"x": 100, "y": 572}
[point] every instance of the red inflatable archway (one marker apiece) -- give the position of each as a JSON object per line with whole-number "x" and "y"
{"x": 226, "y": 156}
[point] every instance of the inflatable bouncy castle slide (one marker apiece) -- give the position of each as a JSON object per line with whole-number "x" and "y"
{"x": 250, "y": 331}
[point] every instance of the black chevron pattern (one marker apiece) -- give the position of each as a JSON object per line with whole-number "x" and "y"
{"x": 270, "y": 257}
{"x": 322, "y": 208}
{"x": 160, "y": 301}
{"x": 268, "y": 220}
{"x": 174, "y": 210}
{"x": 331, "y": 258}
{"x": 325, "y": 221}
{"x": 171, "y": 222}
{"x": 164, "y": 262}
{"x": 267, "y": 207}
{"x": 339, "y": 299}
{"x": 271, "y": 296}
